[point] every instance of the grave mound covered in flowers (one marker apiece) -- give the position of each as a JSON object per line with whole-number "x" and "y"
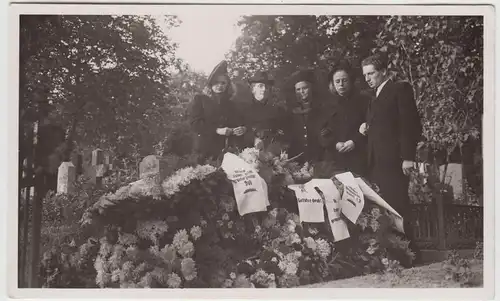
{"x": 186, "y": 232}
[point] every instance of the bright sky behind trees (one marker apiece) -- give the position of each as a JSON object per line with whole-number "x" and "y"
{"x": 204, "y": 39}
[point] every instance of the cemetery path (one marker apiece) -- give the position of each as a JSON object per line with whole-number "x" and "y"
{"x": 428, "y": 276}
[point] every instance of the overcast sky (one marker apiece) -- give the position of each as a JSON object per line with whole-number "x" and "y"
{"x": 204, "y": 39}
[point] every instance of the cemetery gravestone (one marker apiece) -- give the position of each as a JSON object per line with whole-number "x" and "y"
{"x": 66, "y": 177}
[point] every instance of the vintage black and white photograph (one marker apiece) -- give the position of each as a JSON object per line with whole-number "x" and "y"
{"x": 212, "y": 148}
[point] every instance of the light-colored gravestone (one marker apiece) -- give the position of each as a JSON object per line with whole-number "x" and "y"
{"x": 153, "y": 167}
{"x": 66, "y": 176}
{"x": 453, "y": 177}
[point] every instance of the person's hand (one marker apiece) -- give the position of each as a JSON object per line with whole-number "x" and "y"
{"x": 347, "y": 147}
{"x": 241, "y": 130}
{"x": 224, "y": 131}
{"x": 259, "y": 144}
{"x": 407, "y": 167}
{"x": 324, "y": 132}
{"x": 363, "y": 129}
{"x": 339, "y": 146}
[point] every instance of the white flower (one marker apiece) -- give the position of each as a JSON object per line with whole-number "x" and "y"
{"x": 187, "y": 250}
{"x": 174, "y": 281}
{"x": 291, "y": 226}
{"x": 225, "y": 217}
{"x": 385, "y": 261}
{"x": 232, "y": 275}
{"x": 291, "y": 268}
{"x": 274, "y": 259}
{"x": 203, "y": 223}
{"x": 127, "y": 239}
{"x": 257, "y": 229}
{"x": 310, "y": 243}
{"x": 230, "y": 224}
{"x": 188, "y": 269}
{"x": 251, "y": 156}
{"x": 196, "y": 232}
{"x": 184, "y": 176}
{"x": 323, "y": 248}
{"x": 151, "y": 230}
{"x": 180, "y": 238}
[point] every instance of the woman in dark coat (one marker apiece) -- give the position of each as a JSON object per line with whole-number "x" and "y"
{"x": 346, "y": 147}
{"x": 304, "y": 118}
{"x": 214, "y": 117}
{"x": 265, "y": 121}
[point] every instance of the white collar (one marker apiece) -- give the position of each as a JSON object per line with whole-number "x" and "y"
{"x": 379, "y": 89}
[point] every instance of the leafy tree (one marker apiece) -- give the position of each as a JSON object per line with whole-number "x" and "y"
{"x": 107, "y": 74}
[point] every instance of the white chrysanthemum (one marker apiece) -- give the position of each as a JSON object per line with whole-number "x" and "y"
{"x": 151, "y": 230}
{"x": 105, "y": 249}
{"x": 294, "y": 217}
{"x": 282, "y": 265}
{"x": 146, "y": 280}
{"x": 180, "y": 238}
{"x": 187, "y": 250}
{"x": 102, "y": 279}
{"x": 251, "y": 156}
{"x": 184, "y": 176}
{"x": 169, "y": 254}
{"x": 323, "y": 248}
{"x": 115, "y": 275}
{"x": 188, "y": 269}
{"x": 292, "y": 239}
{"x": 196, "y": 232}
{"x": 310, "y": 243}
{"x": 161, "y": 276}
{"x": 174, "y": 280}
{"x": 260, "y": 277}
{"x": 291, "y": 226}
{"x": 232, "y": 275}
{"x": 291, "y": 268}
{"x": 127, "y": 239}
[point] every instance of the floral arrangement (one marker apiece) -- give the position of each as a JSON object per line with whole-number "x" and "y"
{"x": 186, "y": 232}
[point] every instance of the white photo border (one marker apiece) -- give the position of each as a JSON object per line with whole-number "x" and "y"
{"x": 487, "y": 10}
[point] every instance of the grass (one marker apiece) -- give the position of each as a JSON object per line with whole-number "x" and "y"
{"x": 428, "y": 276}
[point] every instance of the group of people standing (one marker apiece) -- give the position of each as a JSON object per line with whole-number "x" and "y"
{"x": 373, "y": 135}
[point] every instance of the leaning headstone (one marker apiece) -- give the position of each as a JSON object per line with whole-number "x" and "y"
{"x": 66, "y": 177}
{"x": 153, "y": 167}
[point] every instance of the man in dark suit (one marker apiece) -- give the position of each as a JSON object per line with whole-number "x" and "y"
{"x": 393, "y": 130}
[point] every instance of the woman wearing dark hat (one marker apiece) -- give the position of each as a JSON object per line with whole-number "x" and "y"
{"x": 304, "y": 112}
{"x": 214, "y": 117}
{"x": 264, "y": 120}
{"x": 346, "y": 147}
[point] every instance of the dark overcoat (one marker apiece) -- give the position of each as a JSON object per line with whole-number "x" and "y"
{"x": 394, "y": 129}
{"x": 264, "y": 120}
{"x": 303, "y": 135}
{"x": 344, "y": 117}
{"x": 206, "y": 114}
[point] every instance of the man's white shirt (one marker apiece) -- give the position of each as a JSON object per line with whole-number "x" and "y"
{"x": 381, "y": 87}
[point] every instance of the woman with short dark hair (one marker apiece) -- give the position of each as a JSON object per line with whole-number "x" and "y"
{"x": 345, "y": 146}
{"x": 304, "y": 118}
